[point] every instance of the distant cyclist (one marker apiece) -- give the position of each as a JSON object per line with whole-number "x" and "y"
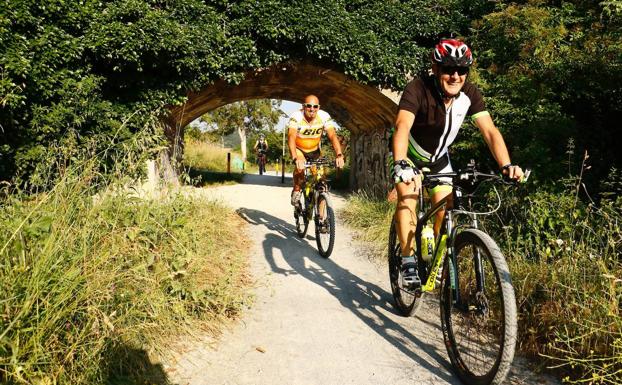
{"x": 304, "y": 133}
{"x": 430, "y": 113}
{"x": 261, "y": 145}
{"x": 261, "y": 148}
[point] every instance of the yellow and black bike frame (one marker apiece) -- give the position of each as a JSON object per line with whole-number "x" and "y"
{"x": 445, "y": 243}
{"x": 314, "y": 181}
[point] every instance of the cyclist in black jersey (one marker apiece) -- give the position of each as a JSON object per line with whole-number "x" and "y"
{"x": 431, "y": 111}
{"x": 261, "y": 147}
{"x": 261, "y": 144}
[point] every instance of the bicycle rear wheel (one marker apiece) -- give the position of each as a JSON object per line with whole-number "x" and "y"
{"x": 406, "y": 302}
{"x": 325, "y": 228}
{"x": 479, "y": 317}
{"x": 301, "y": 217}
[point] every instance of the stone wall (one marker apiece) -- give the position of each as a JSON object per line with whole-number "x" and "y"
{"x": 369, "y": 171}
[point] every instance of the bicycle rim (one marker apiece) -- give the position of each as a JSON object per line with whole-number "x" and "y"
{"x": 480, "y": 329}
{"x": 405, "y": 301}
{"x": 300, "y": 216}
{"x": 325, "y": 229}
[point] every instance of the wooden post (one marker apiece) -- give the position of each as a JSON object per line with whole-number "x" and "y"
{"x": 283, "y": 169}
{"x": 228, "y": 163}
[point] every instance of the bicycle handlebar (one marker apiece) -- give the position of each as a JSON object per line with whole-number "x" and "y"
{"x": 471, "y": 174}
{"x": 319, "y": 162}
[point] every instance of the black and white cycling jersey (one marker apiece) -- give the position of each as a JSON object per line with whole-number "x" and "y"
{"x": 435, "y": 127}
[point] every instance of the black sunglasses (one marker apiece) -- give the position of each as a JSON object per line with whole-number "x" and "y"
{"x": 451, "y": 70}
{"x": 309, "y": 105}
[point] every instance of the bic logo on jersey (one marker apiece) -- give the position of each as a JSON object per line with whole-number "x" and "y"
{"x": 312, "y": 131}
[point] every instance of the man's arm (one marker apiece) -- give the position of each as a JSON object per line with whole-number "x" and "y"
{"x": 334, "y": 140}
{"x": 255, "y": 146}
{"x": 291, "y": 142}
{"x": 403, "y": 123}
{"x": 496, "y": 144}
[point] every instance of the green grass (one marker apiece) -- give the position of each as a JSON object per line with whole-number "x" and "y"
{"x": 92, "y": 289}
{"x": 202, "y": 178}
{"x": 206, "y": 165}
{"x": 565, "y": 261}
{"x": 371, "y": 217}
{"x": 208, "y": 156}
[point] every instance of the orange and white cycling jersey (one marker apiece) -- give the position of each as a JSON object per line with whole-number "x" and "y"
{"x": 309, "y": 134}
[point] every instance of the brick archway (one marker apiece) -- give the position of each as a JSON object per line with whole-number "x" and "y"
{"x": 364, "y": 110}
{"x": 359, "y": 108}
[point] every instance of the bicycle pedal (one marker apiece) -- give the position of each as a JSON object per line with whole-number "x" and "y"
{"x": 412, "y": 283}
{"x": 414, "y": 291}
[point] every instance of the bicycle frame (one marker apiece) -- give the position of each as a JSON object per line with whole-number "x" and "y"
{"x": 445, "y": 241}
{"x": 314, "y": 182}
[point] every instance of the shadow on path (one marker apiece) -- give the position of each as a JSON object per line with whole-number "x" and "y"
{"x": 362, "y": 298}
{"x": 269, "y": 179}
{"x": 132, "y": 366}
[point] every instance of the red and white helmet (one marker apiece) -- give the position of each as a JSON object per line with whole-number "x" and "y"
{"x": 452, "y": 52}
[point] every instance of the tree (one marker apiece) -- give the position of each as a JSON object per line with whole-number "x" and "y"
{"x": 103, "y": 70}
{"x": 245, "y": 117}
{"x": 551, "y": 74}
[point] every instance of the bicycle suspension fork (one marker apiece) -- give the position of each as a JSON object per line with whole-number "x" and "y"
{"x": 477, "y": 262}
{"x": 452, "y": 257}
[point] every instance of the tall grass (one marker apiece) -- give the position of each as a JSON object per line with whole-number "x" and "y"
{"x": 206, "y": 163}
{"x": 207, "y": 155}
{"x": 372, "y": 217}
{"x": 566, "y": 266}
{"x": 565, "y": 261}
{"x": 85, "y": 282}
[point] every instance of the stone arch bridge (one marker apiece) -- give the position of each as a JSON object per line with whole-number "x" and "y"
{"x": 367, "y": 112}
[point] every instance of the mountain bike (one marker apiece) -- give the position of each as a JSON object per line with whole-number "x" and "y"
{"x": 315, "y": 204}
{"x": 477, "y": 301}
{"x": 261, "y": 161}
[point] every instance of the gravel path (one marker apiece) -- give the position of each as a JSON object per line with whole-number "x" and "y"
{"x": 316, "y": 320}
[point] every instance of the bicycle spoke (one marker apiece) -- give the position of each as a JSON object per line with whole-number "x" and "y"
{"x": 325, "y": 226}
{"x": 477, "y": 326}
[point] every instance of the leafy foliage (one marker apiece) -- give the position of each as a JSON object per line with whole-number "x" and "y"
{"x": 551, "y": 73}
{"x": 100, "y": 69}
{"x": 565, "y": 261}
{"x": 253, "y": 115}
{"x": 248, "y": 117}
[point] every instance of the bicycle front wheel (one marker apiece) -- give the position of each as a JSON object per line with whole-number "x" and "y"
{"x": 479, "y": 316}
{"x": 325, "y": 226}
{"x": 301, "y": 217}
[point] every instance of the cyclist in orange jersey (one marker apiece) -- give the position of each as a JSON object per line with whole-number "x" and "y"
{"x": 304, "y": 133}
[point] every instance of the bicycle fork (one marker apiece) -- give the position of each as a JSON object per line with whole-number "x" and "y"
{"x": 454, "y": 276}
{"x": 452, "y": 261}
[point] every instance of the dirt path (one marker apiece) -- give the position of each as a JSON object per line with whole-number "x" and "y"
{"x": 316, "y": 320}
